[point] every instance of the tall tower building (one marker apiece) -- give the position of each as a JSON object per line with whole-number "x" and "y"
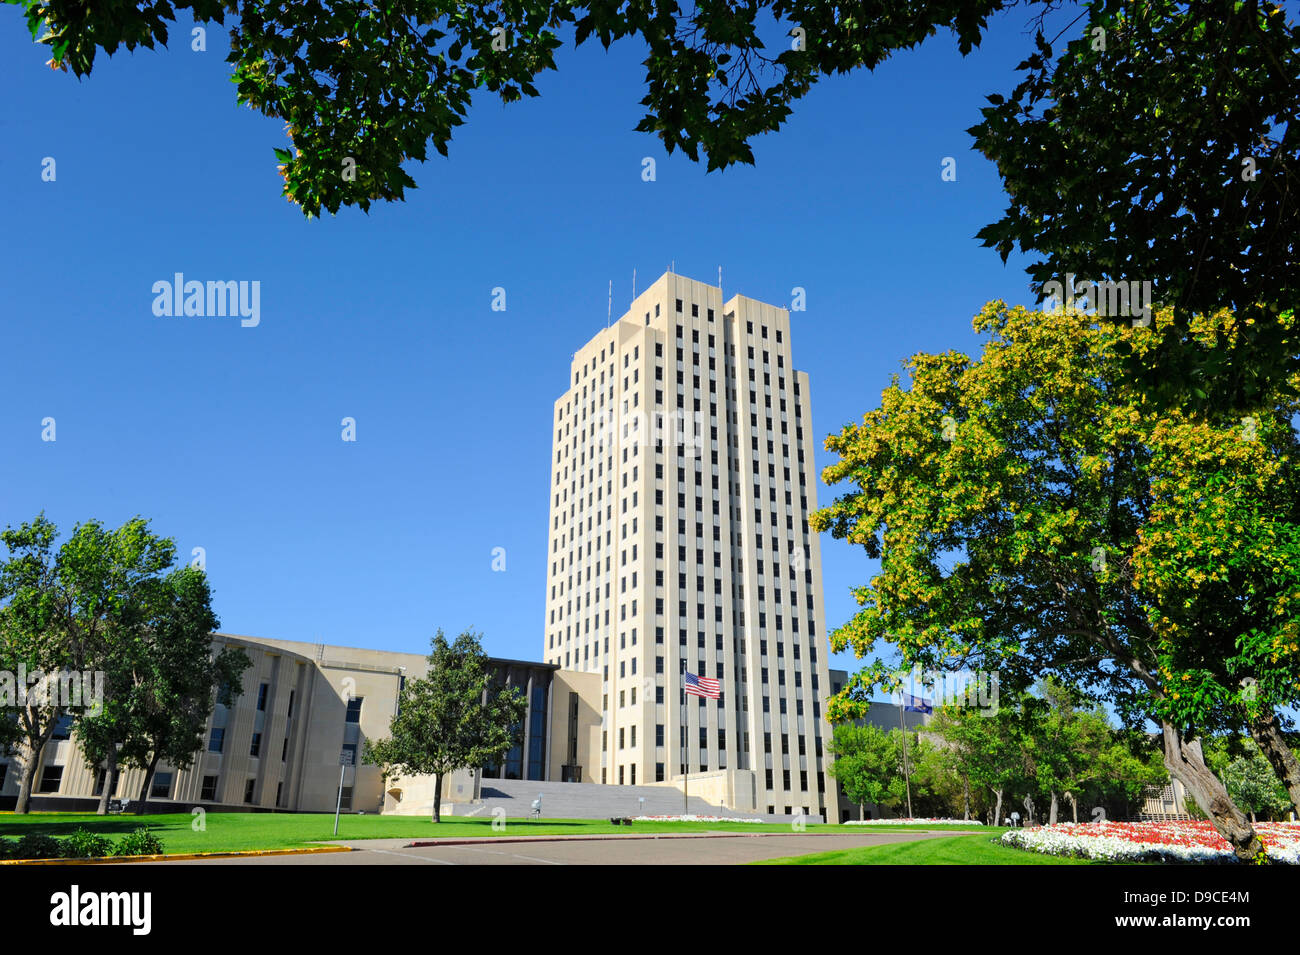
{"x": 682, "y": 478}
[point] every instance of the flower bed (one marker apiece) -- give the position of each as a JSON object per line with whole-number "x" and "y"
{"x": 1188, "y": 841}
{"x": 912, "y": 822}
{"x": 692, "y": 818}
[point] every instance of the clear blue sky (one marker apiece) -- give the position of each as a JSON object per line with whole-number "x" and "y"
{"x": 228, "y": 438}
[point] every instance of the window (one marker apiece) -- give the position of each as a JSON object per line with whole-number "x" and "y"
{"x": 63, "y": 728}
{"x": 354, "y": 710}
{"x": 261, "y": 695}
{"x": 209, "y": 791}
{"x": 217, "y": 740}
{"x": 351, "y": 748}
{"x": 256, "y": 748}
{"x": 284, "y": 750}
{"x": 249, "y": 787}
{"x": 161, "y": 788}
{"x": 51, "y": 778}
{"x": 347, "y": 798}
{"x": 99, "y": 782}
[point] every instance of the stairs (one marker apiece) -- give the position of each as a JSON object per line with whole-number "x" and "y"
{"x": 584, "y": 801}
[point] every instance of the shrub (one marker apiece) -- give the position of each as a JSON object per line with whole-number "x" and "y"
{"x": 36, "y": 846}
{"x": 141, "y": 842}
{"x": 84, "y": 844}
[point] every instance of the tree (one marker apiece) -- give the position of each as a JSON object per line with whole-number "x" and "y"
{"x": 454, "y": 718}
{"x": 1248, "y": 776}
{"x": 1162, "y": 146}
{"x": 1066, "y": 743}
{"x": 1116, "y": 167}
{"x": 944, "y": 775}
{"x": 104, "y": 603}
{"x": 1015, "y": 503}
{"x": 868, "y": 762}
{"x": 68, "y": 613}
{"x": 11, "y": 727}
{"x": 169, "y": 674}
{"x": 1129, "y": 767}
{"x": 994, "y": 742}
{"x": 364, "y": 88}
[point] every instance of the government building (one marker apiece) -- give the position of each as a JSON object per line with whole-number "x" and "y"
{"x": 682, "y": 477}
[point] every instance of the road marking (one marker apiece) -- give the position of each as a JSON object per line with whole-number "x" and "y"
{"x": 409, "y": 856}
{"x": 512, "y": 855}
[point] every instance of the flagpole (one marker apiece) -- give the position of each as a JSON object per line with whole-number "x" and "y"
{"x": 907, "y": 773}
{"x": 686, "y": 766}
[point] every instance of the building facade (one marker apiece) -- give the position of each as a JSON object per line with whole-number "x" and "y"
{"x": 300, "y": 722}
{"x": 682, "y": 480}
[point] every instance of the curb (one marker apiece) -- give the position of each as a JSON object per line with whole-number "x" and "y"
{"x": 179, "y": 857}
{"x": 616, "y": 837}
{"x": 610, "y": 837}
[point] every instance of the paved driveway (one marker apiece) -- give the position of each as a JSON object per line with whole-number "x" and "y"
{"x": 665, "y": 850}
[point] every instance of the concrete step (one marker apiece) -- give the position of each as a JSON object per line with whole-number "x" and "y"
{"x": 586, "y": 801}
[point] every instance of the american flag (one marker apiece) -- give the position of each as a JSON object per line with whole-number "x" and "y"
{"x": 702, "y": 686}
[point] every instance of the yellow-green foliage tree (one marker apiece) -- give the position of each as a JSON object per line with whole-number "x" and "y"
{"x": 1035, "y": 514}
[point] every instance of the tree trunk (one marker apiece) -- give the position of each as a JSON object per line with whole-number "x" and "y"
{"x": 110, "y": 770}
{"x": 862, "y": 810}
{"x": 997, "y": 811}
{"x": 1051, "y": 819}
{"x": 1268, "y": 737}
{"x": 1184, "y": 761}
{"x": 148, "y": 778}
{"x": 965, "y": 799}
{"x": 437, "y": 797}
{"x": 1074, "y": 807}
{"x": 28, "y": 781}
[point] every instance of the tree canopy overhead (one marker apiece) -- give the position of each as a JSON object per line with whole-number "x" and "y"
{"x": 1158, "y": 146}
{"x": 364, "y": 87}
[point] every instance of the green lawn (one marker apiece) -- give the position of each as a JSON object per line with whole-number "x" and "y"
{"x": 959, "y": 850}
{"x": 231, "y": 831}
{"x": 234, "y": 831}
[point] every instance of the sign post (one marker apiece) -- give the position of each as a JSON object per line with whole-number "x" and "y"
{"x": 345, "y": 760}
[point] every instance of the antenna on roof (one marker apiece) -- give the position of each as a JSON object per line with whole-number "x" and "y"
{"x": 609, "y": 309}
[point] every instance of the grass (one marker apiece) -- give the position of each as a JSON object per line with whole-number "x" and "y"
{"x": 958, "y": 850}
{"x": 242, "y": 831}
{"x": 234, "y": 831}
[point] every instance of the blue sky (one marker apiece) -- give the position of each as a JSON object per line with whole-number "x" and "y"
{"x": 228, "y": 438}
